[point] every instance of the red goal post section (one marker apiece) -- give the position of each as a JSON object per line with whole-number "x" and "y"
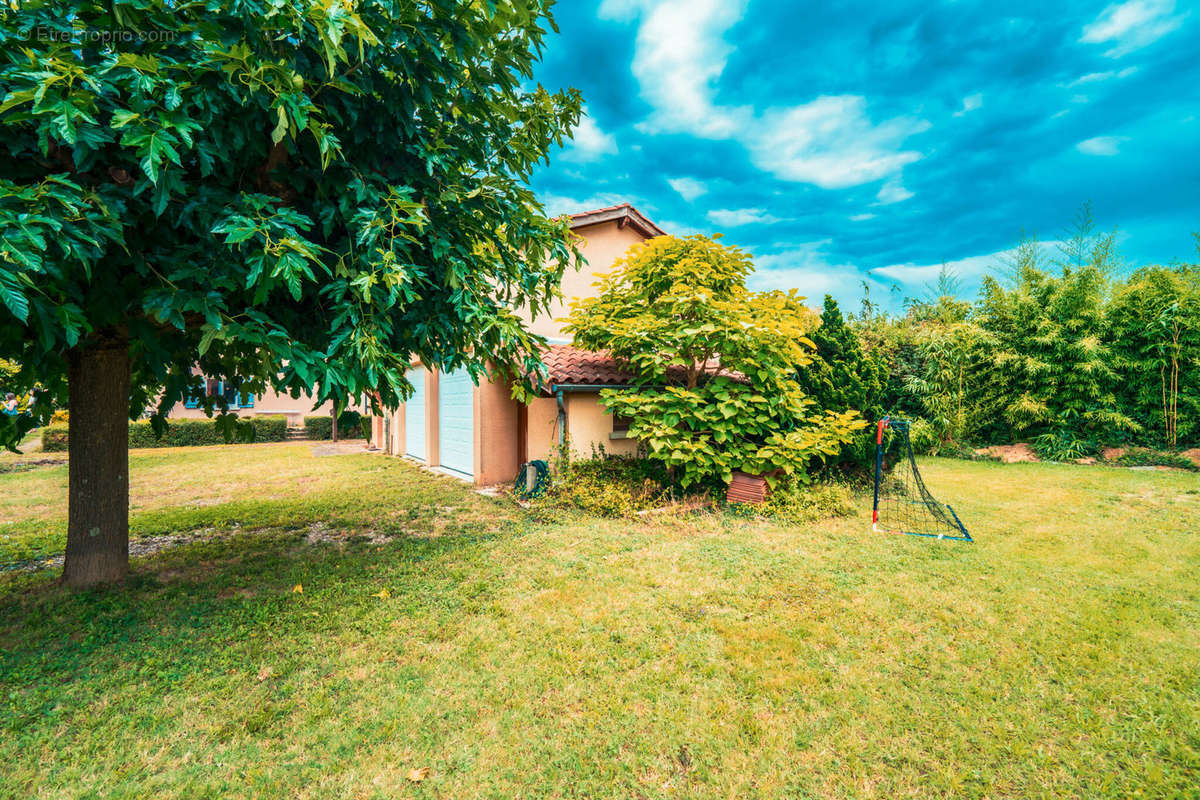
{"x": 878, "y": 470}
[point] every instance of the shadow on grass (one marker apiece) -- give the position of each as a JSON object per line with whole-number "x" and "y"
{"x": 211, "y": 613}
{"x": 412, "y": 507}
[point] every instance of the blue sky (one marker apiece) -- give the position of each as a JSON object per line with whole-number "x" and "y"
{"x": 847, "y": 141}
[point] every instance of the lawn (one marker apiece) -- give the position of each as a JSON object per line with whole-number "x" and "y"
{"x": 350, "y": 621}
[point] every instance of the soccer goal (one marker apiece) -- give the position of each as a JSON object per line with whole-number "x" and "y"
{"x": 902, "y": 502}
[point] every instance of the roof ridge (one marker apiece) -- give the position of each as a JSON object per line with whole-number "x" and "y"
{"x": 622, "y": 213}
{"x": 599, "y": 210}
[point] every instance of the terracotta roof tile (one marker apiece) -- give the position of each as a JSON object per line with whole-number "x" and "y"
{"x": 573, "y": 366}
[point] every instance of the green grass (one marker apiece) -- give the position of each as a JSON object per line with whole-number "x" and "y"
{"x": 533, "y": 654}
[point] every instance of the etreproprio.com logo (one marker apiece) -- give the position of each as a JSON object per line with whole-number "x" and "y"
{"x": 101, "y": 36}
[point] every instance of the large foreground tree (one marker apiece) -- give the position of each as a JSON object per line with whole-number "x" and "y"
{"x": 300, "y": 194}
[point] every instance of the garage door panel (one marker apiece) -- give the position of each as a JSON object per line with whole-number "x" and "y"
{"x": 414, "y": 416}
{"x": 456, "y": 422}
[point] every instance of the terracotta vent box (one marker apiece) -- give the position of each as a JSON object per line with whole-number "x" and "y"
{"x": 746, "y": 488}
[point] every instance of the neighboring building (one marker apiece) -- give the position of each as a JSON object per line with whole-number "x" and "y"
{"x": 269, "y": 403}
{"x": 480, "y": 433}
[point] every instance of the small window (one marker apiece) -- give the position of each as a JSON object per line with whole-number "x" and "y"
{"x": 214, "y": 389}
{"x": 620, "y": 428}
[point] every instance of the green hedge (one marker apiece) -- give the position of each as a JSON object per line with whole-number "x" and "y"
{"x": 350, "y": 426}
{"x": 1145, "y": 457}
{"x": 54, "y": 439}
{"x": 180, "y": 433}
{"x": 319, "y": 427}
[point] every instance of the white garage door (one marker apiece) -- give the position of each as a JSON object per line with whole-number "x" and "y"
{"x": 456, "y": 421}
{"x": 414, "y": 416}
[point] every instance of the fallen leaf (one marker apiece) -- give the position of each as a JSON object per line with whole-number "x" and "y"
{"x": 418, "y": 775}
{"x": 265, "y": 673}
{"x": 297, "y": 589}
{"x": 382, "y": 594}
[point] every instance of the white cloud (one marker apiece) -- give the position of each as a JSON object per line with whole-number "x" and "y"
{"x": 560, "y": 204}
{"x": 1132, "y": 25}
{"x": 892, "y": 191}
{"x": 674, "y": 228}
{"x": 734, "y": 217}
{"x": 681, "y": 52}
{"x": 619, "y": 10}
{"x": 969, "y": 270}
{"x": 970, "y": 103}
{"x": 589, "y": 142}
{"x": 805, "y": 267}
{"x": 1101, "y": 145}
{"x": 830, "y": 142}
{"x": 913, "y": 275}
{"x": 689, "y": 188}
{"x": 861, "y": 217}
{"x": 1096, "y": 77}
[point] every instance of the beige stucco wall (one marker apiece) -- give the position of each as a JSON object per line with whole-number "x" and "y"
{"x": 601, "y": 245}
{"x": 590, "y": 426}
{"x": 541, "y": 427}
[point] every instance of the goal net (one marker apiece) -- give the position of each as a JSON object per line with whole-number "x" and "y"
{"x": 903, "y": 504}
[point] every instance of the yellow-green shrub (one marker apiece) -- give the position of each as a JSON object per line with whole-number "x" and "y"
{"x": 812, "y": 502}
{"x": 715, "y": 364}
{"x": 606, "y": 487}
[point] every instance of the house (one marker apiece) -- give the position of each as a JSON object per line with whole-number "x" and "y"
{"x": 244, "y": 404}
{"x": 480, "y": 433}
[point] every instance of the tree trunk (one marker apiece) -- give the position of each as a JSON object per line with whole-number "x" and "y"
{"x": 98, "y": 440}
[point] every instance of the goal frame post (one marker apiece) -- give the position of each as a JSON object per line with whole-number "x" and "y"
{"x": 882, "y": 426}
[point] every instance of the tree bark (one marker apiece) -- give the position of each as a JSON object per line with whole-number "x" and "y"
{"x": 98, "y": 466}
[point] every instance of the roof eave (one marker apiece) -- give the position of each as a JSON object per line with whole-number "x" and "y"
{"x": 587, "y": 387}
{"x": 623, "y": 215}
